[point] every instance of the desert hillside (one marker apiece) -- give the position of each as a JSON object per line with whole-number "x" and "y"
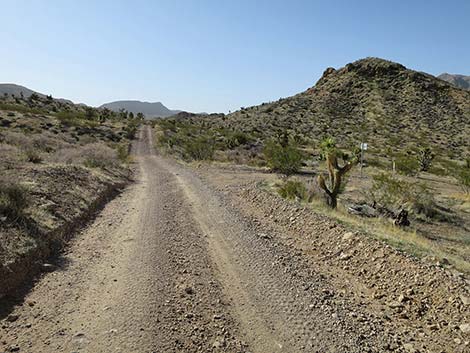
{"x": 392, "y": 108}
{"x": 59, "y": 162}
{"x": 416, "y": 127}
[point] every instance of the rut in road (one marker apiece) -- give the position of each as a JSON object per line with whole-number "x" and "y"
{"x": 169, "y": 267}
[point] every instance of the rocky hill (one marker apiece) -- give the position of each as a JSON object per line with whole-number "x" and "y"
{"x": 393, "y": 108}
{"x": 460, "y": 81}
{"x": 14, "y": 90}
{"x": 150, "y": 110}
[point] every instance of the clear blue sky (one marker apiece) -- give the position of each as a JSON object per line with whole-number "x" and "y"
{"x": 218, "y": 55}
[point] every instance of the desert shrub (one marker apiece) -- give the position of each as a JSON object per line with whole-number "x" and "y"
{"x": 463, "y": 178}
{"x": 394, "y": 193}
{"x": 69, "y": 118}
{"x": 33, "y": 155}
{"x": 123, "y": 153}
{"x": 200, "y": 148}
{"x": 15, "y": 138}
{"x": 10, "y": 155}
{"x": 32, "y": 145}
{"x": 284, "y": 159}
{"x": 93, "y": 155}
{"x": 13, "y": 198}
{"x": 294, "y": 190}
{"x": 20, "y": 108}
{"x": 131, "y": 129}
{"x": 425, "y": 158}
{"x": 406, "y": 165}
{"x": 98, "y": 155}
{"x": 235, "y": 139}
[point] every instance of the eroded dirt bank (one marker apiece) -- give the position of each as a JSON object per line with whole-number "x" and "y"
{"x": 181, "y": 262}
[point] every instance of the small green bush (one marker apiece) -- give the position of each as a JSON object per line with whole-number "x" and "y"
{"x": 395, "y": 193}
{"x": 294, "y": 190}
{"x": 68, "y": 118}
{"x": 123, "y": 153}
{"x": 13, "y": 199}
{"x": 283, "y": 159}
{"x": 200, "y": 148}
{"x": 407, "y": 165}
{"x": 236, "y": 139}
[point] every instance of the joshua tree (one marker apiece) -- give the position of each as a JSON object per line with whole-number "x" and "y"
{"x": 89, "y": 113}
{"x": 333, "y": 187}
{"x": 33, "y": 97}
{"x": 122, "y": 113}
{"x": 425, "y": 157}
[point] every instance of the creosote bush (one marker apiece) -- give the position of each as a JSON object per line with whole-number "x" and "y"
{"x": 294, "y": 190}
{"x": 395, "y": 193}
{"x": 201, "y": 148}
{"x": 13, "y": 199}
{"x": 406, "y": 165}
{"x": 93, "y": 155}
{"x": 283, "y": 159}
{"x": 123, "y": 153}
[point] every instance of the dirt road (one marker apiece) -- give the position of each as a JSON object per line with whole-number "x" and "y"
{"x": 168, "y": 267}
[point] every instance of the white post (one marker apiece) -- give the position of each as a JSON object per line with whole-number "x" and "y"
{"x": 363, "y": 148}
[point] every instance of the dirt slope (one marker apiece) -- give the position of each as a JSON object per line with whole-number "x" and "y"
{"x": 172, "y": 266}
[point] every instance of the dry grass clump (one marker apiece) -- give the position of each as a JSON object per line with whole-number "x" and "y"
{"x": 93, "y": 155}
{"x": 29, "y": 148}
{"x": 43, "y": 142}
{"x": 10, "y": 156}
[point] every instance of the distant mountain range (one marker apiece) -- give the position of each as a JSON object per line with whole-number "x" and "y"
{"x": 12, "y": 89}
{"x": 150, "y": 110}
{"x": 460, "y": 81}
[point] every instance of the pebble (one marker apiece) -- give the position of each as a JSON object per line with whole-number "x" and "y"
{"x": 465, "y": 328}
{"x": 47, "y": 267}
{"x": 12, "y": 317}
{"x": 465, "y": 300}
{"x": 409, "y": 347}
